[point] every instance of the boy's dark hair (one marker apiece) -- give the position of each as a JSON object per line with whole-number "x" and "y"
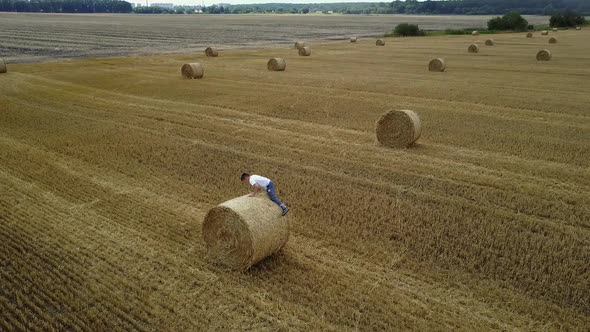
{"x": 244, "y": 176}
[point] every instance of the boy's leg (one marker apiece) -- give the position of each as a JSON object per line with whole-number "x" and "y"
{"x": 270, "y": 189}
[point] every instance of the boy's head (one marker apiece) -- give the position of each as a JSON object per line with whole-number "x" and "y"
{"x": 245, "y": 178}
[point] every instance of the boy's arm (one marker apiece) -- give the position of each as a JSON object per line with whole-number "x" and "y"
{"x": 255, "y": 190}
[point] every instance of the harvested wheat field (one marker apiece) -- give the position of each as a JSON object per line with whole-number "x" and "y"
{"x": 109, "y": 166}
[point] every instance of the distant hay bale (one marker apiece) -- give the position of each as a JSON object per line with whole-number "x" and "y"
{"x": 554, "y": 29}
{"x": 578, "y": 28}
{"x": 299, "y": 44}
{"x": 473, "y": 48}
{"x": 475, "y": 33}
{"x": 305, "y": 51}
{"x": 242, "y": 231}
{"x": 544, "y": 32}
{"x": 529, "y": 35}
{"x": 380, "y": 42}
{"x": 398, "y": 129}
{"x": 276, "y": 64}
{"x": 437, "y": 65}
{"x": 3, "y": 68}
{"x": 552, "y": 40}
{"x": 544, "y": 55}
{"x": 192, "y": 70}
{"x": 490, "y": 42}
{"x": 211, "y": 51}
{"x": 353, "y": 39}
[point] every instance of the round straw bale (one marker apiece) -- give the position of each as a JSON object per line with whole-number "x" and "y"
{"x": 475, "y": 33}
{"x": 276, "y": 64}
{"x": 554, "y": 29}
{"x": 490, "y": 42}
{"x": 242, "y": 231}
{"x": 578, "y": 28}
{"x": 380, "y": 42}
{"x": 552, "y": 40}
{"x": 192, "y": 70}
{"x": 3, "y": 68}
{"x": 437, "y": 65}
{"x": 529, "y": 35}
{"x": 544, "y": 55}
{"x": 305, "y": 51}
{"x": 211, "y": 51}
{"x": 473, "y": 48}
{"x": 353, "y": 39}
{"x": 299, "y": 44}
{"x": 398, "y": 129}
{"x": 544, "y": 32}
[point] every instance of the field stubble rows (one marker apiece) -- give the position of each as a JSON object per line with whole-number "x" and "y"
{"x": 109, "y": 165}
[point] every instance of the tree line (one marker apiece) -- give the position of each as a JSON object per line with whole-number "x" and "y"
{"x": 66, "y": 6}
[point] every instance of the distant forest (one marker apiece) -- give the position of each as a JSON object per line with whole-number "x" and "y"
{"x": 458, "y": 7}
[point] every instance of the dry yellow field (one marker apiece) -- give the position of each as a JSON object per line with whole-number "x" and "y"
{"x": 107, "y": 167}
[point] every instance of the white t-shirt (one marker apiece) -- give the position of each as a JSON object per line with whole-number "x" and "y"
{"x": 259, "y": 180}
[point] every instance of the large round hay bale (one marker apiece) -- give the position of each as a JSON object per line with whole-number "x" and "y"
{"x": 211, "y": 51}
{"x": 398, "y": 129}
{"x": 305, "y": 51}
{"x": 242, "y": 231}
{"x": 353, "y": 39}
{"x": 299, "y": 44}
{"x": 192, "y": 70}
{"x": 276, "y": 64}
{"x": 380, "y": 42}
{"x": 473, "y": 48}
{"x": 554, "y": 29}
{"x": 475, "y": 33}
{"x": 3, "y": 68}
{"x": 552, "y": 40}
{"x": 490, "y": 42}
{"x": 437, "y": 65}
{"x": 529, "y": 35}
{"x": 578, "y": 28}
{"x": 544, "y": 32}
{"x": 544, "y": 55}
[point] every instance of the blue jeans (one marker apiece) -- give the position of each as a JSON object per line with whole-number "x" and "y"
{"x": 270, "y": 189}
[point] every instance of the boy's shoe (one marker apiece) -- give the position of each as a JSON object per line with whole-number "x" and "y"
{"x": 285, "y": 210}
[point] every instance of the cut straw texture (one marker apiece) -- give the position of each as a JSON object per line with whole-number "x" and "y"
{"x": 490, "y": 42}
{"x": 544, "y": 55}
{"x": 398, "y": 129}
{"x": 552, "y": 40}
{"x": 353, "y": 39}
{"x": 544, "y": 32}
{"x": 437, "y": 65}
{"x": 276, "y": 64}
{"x": 299, "y": 44}
{"x": 211, "y": 51}
{"x": 473, "y": 48}
{"x": 305, "y": 51}
{"x": 192, "y": 70}
{"x": 3, "y": 68}
{"x": 380, "y": 42}
{"x": 244, "y": 230}
{"x": 475, "y": 33}
{"x": 529, "y": 35}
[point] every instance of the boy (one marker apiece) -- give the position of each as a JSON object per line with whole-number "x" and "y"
{"x": 260, "y": 182}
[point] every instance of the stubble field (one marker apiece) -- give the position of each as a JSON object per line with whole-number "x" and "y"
{"x": 107, "y": 167}
{"x": 32, "y": 37}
